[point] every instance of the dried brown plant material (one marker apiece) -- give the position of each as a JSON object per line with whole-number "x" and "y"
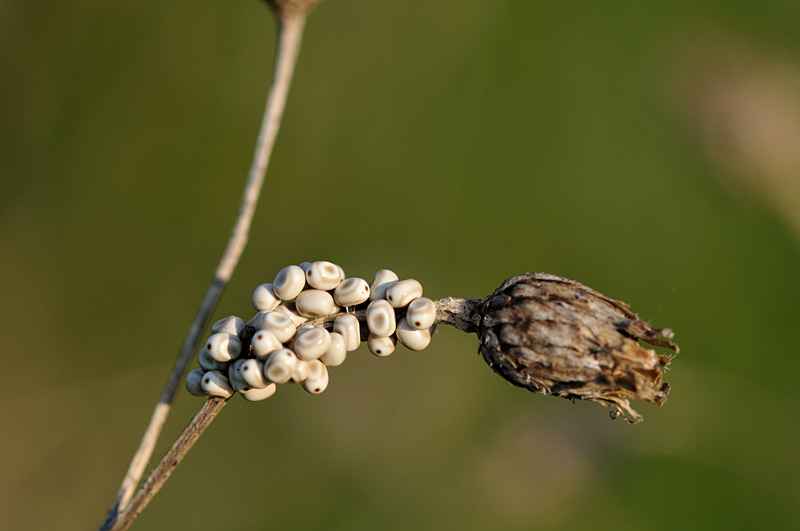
{"x": 555, "y": 336}
{"x": 288, "y": 8}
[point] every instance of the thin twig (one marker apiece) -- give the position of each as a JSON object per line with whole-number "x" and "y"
{"x": 290, "y": 32}
{"x": 460, "y": 313}
{"x": 173, "y": 457}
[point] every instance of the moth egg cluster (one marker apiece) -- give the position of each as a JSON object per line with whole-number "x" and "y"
{"x": 308, "y": 319}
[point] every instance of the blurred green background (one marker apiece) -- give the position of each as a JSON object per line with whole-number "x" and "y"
{"x": 649, "y": 150}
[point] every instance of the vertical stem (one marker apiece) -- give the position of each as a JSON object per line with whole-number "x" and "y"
{"x": 290, "y": 33}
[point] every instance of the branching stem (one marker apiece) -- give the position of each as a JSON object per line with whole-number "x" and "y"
{"x": 290, "y": 32}
{"x": 459, "y": 313}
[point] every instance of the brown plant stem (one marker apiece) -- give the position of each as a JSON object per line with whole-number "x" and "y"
{"x": 290, "y": 32}
{"x": 173, "y": 457}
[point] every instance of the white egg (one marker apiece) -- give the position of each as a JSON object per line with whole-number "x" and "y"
{"x": 381, "y": 346}
{"x": 224, "y": 347}
{"x": 381, "y": 319}
{"x": 215, "y": 383}
{"x": 324, "y": 275}
{"x": 194, "y": 382}
{"x": 421, "y": 313}
{"x": 289, "y": 282}
{"x": 412, "y": 339}
{"x": 347, "y": 325}
{"x": 401, "y": 293}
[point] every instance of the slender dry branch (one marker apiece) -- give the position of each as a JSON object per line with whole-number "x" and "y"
{"x": 460, "y": 313}
{"x": 173, "y": 457}
{"x": 290, "y": 32}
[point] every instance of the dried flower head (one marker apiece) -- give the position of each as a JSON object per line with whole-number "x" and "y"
{"x": 555, "y": 336}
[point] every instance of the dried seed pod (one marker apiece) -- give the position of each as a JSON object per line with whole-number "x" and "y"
{"x": 421, "y": 313}
{"x": 324, "y": 275}
{"x": 351, "y": 291}
{"x": 412, "y": 338}
{"x": 556, "y": 336}
{"x": 194, "y": 381}
{"x": 315, "y": 303}
{"x": 289, "y": 282}
{"x": 403, "y": 292}
{"x": 383, "y": 280}
{"x": 381, "y": 346}
{"x": 380, "y": 318}
{"x": 347, "y": 325}
{"x": 216, "y": 384}
{"x": 336, "y": 353}
{"x": 224, "y": 347}
{"x": 265, "y": 298}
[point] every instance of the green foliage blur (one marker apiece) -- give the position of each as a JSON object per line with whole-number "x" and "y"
{"x": 459, "y": 143}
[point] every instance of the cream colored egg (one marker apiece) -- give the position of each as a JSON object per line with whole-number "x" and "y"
{"x": 412, "y": 339}
{"x": 380, "y": 318}
{"x": 208, "y": 363}
{"x": 311, "y": 343}
{"x": 280, "y": 365}
{"x": 300, "y": 371}
{"x": 264, "y": 343}
{"x": 336, "y": 353}
{"x": 252, "y": 371}
{"x": 421, "y": 313}
{"x": 381, "y": 346}
{"x": 215, "y": 383}
{"x": 235, "y": 376}
{"x": 324, "y": 275}
{"x": 289, "y": 309}
{"x": 315, "y": 303}
{"x": 289, "y": 282}
{"x": 277, "y": 323}
{"x": 401, "y": 293}
{"x": 256, "y": 394}
{"x": 317, "y": 379}
{"x": 347, "y": 325}
{"x": 194, "y": 381}
{"x": 223, "y": 347}
{"x": 383, "y": 279}
{"x": 351, "y": 291}
{"x": 228, "y": 325}
{"x": 265, "y": 298}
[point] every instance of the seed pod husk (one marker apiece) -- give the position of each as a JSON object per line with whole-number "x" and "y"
{"x": 555, "y": 336}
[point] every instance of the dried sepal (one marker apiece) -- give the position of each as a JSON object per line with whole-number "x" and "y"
{"x": 555, "y": 336}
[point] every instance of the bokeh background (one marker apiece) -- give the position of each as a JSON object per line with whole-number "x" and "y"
{"x": 649, "y": 150}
